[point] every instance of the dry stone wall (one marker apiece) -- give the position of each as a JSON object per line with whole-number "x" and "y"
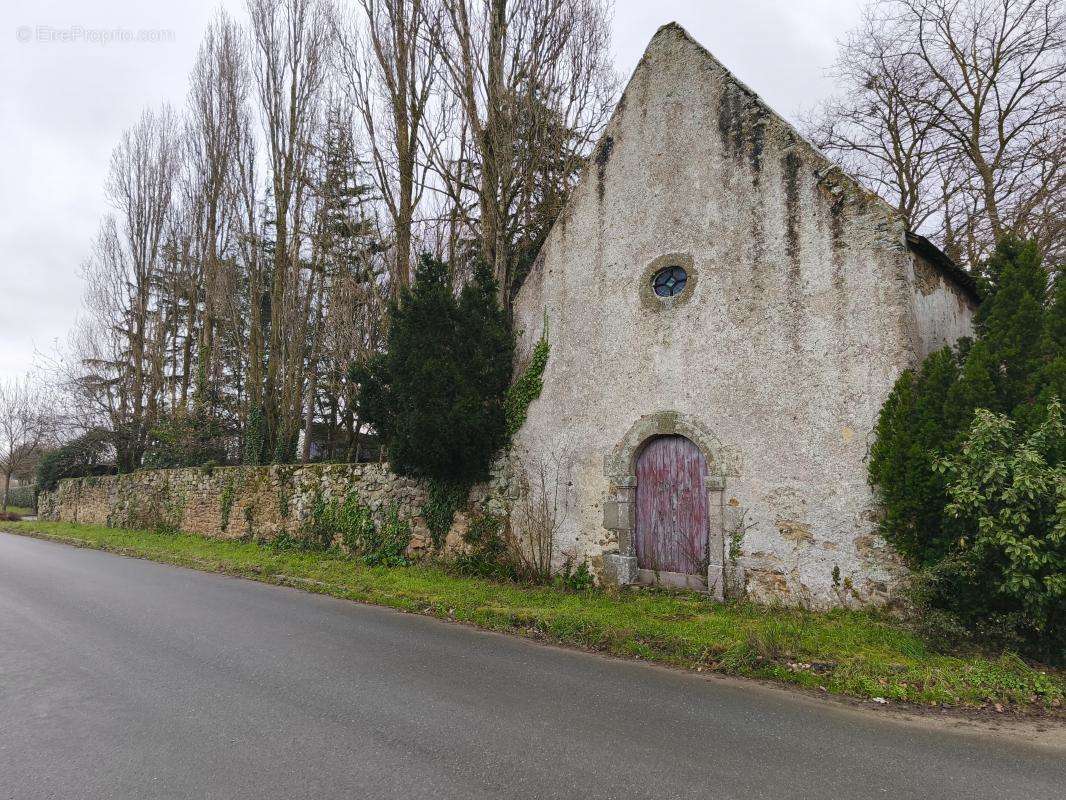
{"x": 233, "y": 502}
{"x": 262, "y": 502}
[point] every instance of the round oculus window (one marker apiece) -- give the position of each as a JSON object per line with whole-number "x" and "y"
{"x": 669, "y": 281}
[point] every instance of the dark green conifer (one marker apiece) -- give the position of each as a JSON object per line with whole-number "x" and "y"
{"x": 436, "y": 395}
{"x": 917, "y": 423}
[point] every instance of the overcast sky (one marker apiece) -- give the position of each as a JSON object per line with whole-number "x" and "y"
{"x": 63, "y": 105}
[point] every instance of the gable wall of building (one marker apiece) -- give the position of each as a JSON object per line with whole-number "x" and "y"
{"x": 798, "y": 317}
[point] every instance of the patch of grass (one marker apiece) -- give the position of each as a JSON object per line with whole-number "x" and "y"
{"x": 19, "y": 510}
{"x": 856, "y": 653}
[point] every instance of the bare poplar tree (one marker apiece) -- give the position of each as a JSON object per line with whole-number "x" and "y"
{"x": 247, "y": 309}
{"x": 217, "y": 97}
{"x": 289, "y": 40}
{"x": 124, "y": 339}
{"x": 389, "y": 68}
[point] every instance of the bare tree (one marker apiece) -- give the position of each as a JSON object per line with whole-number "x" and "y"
{"x": 878, "y": 129}
{"x": 216, "y": 114}
{"x": 247, "y": 310}
{"x": 125, "y": 328}
{"x": 545, "y": 494}
{"x": 289, "y": 63}
{"x": 390, "y": 69}
{"x": 25, "y": 427}
{"x": 534, "y": 83}
{"x": 248, "y": 263}
{"x": 956, "y": 109}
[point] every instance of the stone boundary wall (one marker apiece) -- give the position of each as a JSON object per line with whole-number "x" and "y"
{"x": 233, "y": 502}
{"x": 261, "y": 502}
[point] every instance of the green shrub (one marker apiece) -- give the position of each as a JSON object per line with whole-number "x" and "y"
{"x": 81, "y": 457}
{"x": 1009, "y": 496}
{"x": 575, "y": 578}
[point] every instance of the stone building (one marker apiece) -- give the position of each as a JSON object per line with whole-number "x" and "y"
{"x": 727, "y": 311}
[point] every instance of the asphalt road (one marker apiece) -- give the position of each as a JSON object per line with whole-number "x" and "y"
{"x": 127, "y": 679}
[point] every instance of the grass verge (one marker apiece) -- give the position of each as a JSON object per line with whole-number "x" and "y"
{"x": 859, "y": 654}
{"x": 22, "y": 512}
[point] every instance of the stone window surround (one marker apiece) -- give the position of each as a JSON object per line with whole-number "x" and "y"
{"x": 619, "y": 508}
{"x": 649, "y": 300}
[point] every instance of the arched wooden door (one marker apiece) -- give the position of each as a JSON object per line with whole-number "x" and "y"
{"x": 672, "y": 514}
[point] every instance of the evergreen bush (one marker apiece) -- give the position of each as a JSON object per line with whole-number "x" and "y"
{"x": 916, "y": 424}
{"x": 969, "y": 412}
{"x": 436, "y": 396}
{"x": 81, "y": 457}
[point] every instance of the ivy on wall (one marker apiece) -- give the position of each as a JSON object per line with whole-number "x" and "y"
{"x": 443, "y": 500}
{"x": 376, "y": 543}
{"x": 229, "y": 493}
{"x": 526, "y": 388}
{"x": 285, "y": 491}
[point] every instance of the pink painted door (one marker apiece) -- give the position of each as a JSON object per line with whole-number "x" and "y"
{"x": 671, "y": 524}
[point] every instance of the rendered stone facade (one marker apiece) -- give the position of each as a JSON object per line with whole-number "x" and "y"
{"x": 805, "y": 299}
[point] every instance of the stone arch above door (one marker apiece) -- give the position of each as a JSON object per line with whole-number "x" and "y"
{"x": 620, "y": 464}
{"x": 620, "y": 503}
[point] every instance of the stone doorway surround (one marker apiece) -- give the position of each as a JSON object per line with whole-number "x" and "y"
{"x": 619, "y": 508}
